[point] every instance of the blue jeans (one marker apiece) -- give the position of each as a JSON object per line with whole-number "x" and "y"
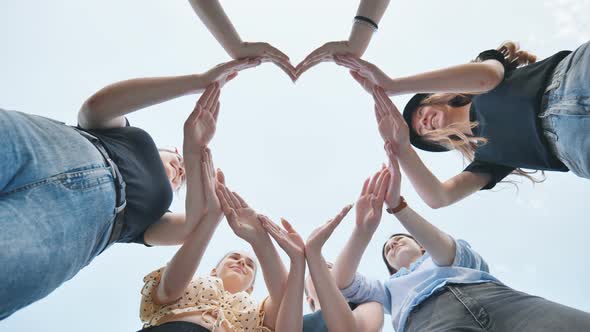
{"x": 492, "y": 307}
{"x": 566, "y": 113}
{"x": 57, "y": 200}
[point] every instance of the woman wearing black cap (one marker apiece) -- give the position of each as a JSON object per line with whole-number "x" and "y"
{"x": 503, "y": 112}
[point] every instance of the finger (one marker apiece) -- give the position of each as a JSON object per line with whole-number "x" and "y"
{"x": 365, "y": 186}
{"x": 344, "y": 211}
{"x": 207, "y": 94}
{"x": 228, "y": 197}
{"x": 232, "y": 220}
{"x": 311, "y": 56}
{"x": 231, "y": 76}
{"x": 206, "y": 179}
{"x": 216, "y": 111}
{"x": 240, "y": 200}
{"x": 235, "y": 201}
{"x": 287, "y": 68}
{"x": 212, "y": 101}
{"x": 383, "y": 186}
{"x": 377, "y": 114}
{"x": 372, "y": 183}
{"x": 288, "y": 227}
{"x": 343, "y": 61}
{"x": 192, "y": 118}
{"x": 277, "y": 53}
{"x": 225, "y": 206}
{"x": 220, "y": 176}
{"x": 270, "y": 227}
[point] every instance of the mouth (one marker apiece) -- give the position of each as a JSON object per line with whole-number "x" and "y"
{"x": 239, "y": 269}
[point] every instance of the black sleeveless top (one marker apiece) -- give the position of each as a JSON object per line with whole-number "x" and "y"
{"x": 314, "y": 322}
{"x": 148, "y": 190}
{"x": 508, "y": 117}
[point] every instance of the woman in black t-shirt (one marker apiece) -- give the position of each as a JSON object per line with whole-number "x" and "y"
{"x": 59, "y": 195}
{"x": 503, "y": 112}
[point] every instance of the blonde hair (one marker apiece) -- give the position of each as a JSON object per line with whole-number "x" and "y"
{"x": 453, "y": 136}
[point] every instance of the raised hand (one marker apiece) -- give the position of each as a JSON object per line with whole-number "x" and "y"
{"x": 392, "y": 126}
{"x": 210, "y": 178}
{"x": 364, "y": 72}
{"x": 320, "y": 235}
{"x": 199, "y": 127}
{"x": 286, "y": 237}
{"x": 326, "y": 52}
{"x": 369, "y": 206}
{"x": 242, "y": 219}
{"x": 392, "y": 196}
{"x": 267, "y": 53}
{"x": 225, "y": 72}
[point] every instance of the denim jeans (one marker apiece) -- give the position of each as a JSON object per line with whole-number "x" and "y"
{"x": 493, "y": 307}
{"x": 566, "y": 114}
{"x": 57, "y": 200}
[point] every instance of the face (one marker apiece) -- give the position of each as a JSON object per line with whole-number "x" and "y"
{"x": 401, "y": 251}
{"x": 237, "y": 270}
{"x": 428, "y": 118}
{"x": 174, "y": 167}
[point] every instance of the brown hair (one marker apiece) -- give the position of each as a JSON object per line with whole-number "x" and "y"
{"x": 452, "y": 136}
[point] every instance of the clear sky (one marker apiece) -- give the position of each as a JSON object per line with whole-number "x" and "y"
{"x": 299, "y": 151}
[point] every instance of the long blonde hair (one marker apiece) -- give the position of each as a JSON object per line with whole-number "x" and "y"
{"x": 453, "y": 136}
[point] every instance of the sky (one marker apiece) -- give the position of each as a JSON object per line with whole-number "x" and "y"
{"x": 296, "y": 151}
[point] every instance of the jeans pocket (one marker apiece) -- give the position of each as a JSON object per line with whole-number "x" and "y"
{"x": 86, "y": 179}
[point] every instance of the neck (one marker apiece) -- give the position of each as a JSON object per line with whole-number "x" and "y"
{"x": 461, "y": 115}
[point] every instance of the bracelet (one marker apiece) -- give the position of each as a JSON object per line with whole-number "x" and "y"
{"x": 367, "y": 21}
{"x": 402, "y": 205}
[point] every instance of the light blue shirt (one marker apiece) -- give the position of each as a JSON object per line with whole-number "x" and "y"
{"x": 409, "y": 287}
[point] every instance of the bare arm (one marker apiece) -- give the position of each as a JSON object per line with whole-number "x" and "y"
{"x": 361, "y": 34}
{"x": 107, "y": 107}
{"x": 291, "y": 309}
{"x": 437, "y": 243}
{"x": 435, "y": 193}
{"x": 213, "y": 16}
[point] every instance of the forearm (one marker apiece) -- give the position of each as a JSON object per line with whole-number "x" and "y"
{"x": 437, "y": 243}
{"x": 181, "y": 269}
{"x": 361, "y": 34}
{"x": 195, "y": 202}
{"x": 425, "y": 183}
{"x": 121, "y": 98}
{"x": 273, "y": 269}
{"x": 349, "y": 258}
{"x": 335, "y": 309}
{"x": 466, "y": 78}
{"x": 291, "y": 309}
{"x": 213, "y": 16}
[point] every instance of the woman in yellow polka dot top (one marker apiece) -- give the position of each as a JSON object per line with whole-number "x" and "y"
{"x": 173, "y": 300}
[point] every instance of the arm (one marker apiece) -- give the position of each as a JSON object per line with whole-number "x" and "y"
{"x": 244, "y": 221}
{"x": 368, "y": 216}
{"x": 290, "y": 311}
{"x": 471, "y": 78}
{"x": 107, "y": 107}
{"x": 358, "y": 41}
{"x": 181, "y": 269}
{"x": 335, "y": 309}
{"x": 213, "y": 16}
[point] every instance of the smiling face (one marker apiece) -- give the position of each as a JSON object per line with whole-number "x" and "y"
{"x": 237, "y": 270}
{"x": 430, "y": 117}
{"x": 174, "y": 167}
{"x": 401, "y": 251}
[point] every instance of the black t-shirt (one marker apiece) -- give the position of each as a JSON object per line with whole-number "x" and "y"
{"x": 508, "y": 118}
{"x": 314, "y": 322}
{"x": 148, "y": 191}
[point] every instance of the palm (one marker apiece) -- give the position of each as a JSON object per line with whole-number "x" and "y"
{"x": 367, "y": 216}
{"x": 203, "y": 132}
{"x": 387, "y": 128}
{"x": 318, "y": 237}
{"x": 293, "y": 245}
{"x": 248, "y": 225}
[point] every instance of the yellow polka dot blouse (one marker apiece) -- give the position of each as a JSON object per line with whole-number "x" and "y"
{"x": 236, "y": 312}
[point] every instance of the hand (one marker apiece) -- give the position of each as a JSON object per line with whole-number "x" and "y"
{"x": 324, "y": 53}
{"x": 242, "y": 219}
{"x": 369, "y": 206}
{"x": 286, "y": 237}
{"x": 267, "y": 53}
{"x": 199, "y": 127}
{"x": 366, "y": 73}
{"x": 225, "y": 72}
{"x": 392, "y": 126}
{"x": 392, "y": 196}
{"x": 210, "y": 179}
{"x": 320, "y": 235}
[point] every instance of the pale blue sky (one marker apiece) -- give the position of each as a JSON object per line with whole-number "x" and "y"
{"x": 298, "y": 151}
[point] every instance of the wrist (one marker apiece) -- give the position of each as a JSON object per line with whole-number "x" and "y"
{"x": 298, "y": 261}
{"x": 363, "y": 234}
{"x": 392, "y": 87}
{"x": 400, "y": 205}
{"x": 261, "y": 243}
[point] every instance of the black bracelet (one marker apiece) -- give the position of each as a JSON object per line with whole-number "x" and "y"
{"x": 366, "y": 20}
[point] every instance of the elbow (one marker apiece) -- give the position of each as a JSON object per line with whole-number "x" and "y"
{"x": 490, "y": 77}
{"x": 438, "y": 202}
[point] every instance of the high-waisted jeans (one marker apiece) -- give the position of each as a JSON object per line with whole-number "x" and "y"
{"x": 566, "y": 113}
{"x": 57, "y": 200}
{"x": 492, "y": 307}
